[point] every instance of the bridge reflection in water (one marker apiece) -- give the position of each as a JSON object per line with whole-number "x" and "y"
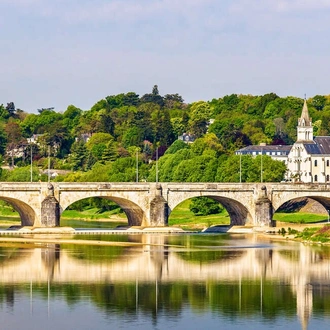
{"x": 300, "y": 269}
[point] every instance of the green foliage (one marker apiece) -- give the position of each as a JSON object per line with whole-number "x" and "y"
{"x": 314, "y": 234}
{"x": 200, "y": 114}
{"x": 119, "y": 122}
{"x": 98, "y": 138}
{"x": 22, "y": 174}
{"x": 205, "y": 206}
{"x": 318, "y": 102}
{"x": 176, "y": 146}
{"x": 79, "y": 156}
{"x": 230, "y": 134}
{"x": 230, "y": 169}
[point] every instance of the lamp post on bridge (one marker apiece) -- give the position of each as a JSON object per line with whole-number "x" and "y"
{"x": 156, "y": 163}
{"x": 137, "y": 164}
{"x": 31, "y": 164}
{"x": 261, "y": 169}
{"x": 48, "y": 163}
{"x": 240, "y": 167}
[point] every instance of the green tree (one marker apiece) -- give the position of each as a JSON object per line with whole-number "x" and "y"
{"x": 154, "y": 97}
{"x": 110, "y": 153}
{"x": 318, "y": 102}
{"x": 173, "y": 101}
{"x": 163, "y": 131}
{"x": 15, "y": 140}
{"x": 205, "y": 206}
{"x": 131, "y": 99}
{"x": 79, "y": 156}
{"x": 200, "y": 114}
{"x": 23, "y": 174}
{"x": 176, "y": 146}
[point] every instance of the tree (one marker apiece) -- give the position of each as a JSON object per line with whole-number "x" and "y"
{"x": 230, "y": 134}
{"x": 11, "y": 109}
{"x": 172, "y": 101}
{"x": 231, "y": 101}
{"x": 176, "y": 146}
{"x": 79, "y": 156}
{"x": 110, "y": 153}
{"x": 318, "y": 102}
{"x": 3, "y": 140}
{"x": 200, "y": 114}
{"x": 23, "y": 174}
{"x": 131, "y": 99}
{"x": 15, "y": 140}
{"x": 154, "y": 97}
{"x": 204, "y": 206}
{"x": 58, "y": 138}
{"x": 163, "y": 131}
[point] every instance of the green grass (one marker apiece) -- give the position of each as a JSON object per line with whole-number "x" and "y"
{"x": 300, "y": 217}
{"x": 92, "y": 213}
{"x": 317, "y": 235}
{"x": 184, "y": 218}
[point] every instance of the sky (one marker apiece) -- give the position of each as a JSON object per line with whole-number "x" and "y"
{"x": 61, "y": 52}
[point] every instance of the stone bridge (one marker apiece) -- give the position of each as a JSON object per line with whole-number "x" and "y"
{"x": 40, "y": 204}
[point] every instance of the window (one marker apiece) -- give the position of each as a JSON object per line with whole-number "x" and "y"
{"x": 327, "y": 162}
{"x": 327, "y": 177}
{"x": 315, "y": 178}
{"x": 315, "y": 162}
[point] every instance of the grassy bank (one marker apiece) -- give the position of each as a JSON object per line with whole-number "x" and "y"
{"x": 300, "y": 217}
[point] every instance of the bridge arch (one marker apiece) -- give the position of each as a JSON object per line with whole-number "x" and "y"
{"x": 238, "y": 212}
{"x": 25, "y": 211}
{"x": 135, "y": 214}
{"x": 323, "y": 200}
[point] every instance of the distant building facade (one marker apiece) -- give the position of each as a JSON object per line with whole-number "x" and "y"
{"x": 277, "y": 152}
{"x": 307, "y": 160}
{"x": 309, "y": 157}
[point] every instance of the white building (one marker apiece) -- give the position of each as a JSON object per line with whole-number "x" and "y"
{"x": 309, "y": 157}
{"x": 277, "y": 152}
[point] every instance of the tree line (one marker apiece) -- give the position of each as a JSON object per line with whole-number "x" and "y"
{"x": 125, "y": 132}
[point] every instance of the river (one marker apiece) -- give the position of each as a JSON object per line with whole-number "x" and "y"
{"x": 164, "y": 281}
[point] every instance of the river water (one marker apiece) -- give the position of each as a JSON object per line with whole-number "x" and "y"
{"x": 164, "y": 281}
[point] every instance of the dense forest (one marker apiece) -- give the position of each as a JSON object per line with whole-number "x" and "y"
{"x": 121, "y": 137}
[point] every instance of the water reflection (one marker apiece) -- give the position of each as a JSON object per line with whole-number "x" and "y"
{"x": 162, "y": 277}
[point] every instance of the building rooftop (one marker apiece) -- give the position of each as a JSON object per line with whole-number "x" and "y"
{"x": 320, "y": 146}
{"x": 265, "y": 149}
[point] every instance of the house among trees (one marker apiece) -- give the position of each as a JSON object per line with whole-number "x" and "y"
{"x": 277, "y": 152}
{"x": 307, "y": 160}
{"x": 187, "y": 138}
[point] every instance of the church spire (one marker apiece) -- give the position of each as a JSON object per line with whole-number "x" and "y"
{"x": 304, "y": 119}
{"x": 305, "y": 127}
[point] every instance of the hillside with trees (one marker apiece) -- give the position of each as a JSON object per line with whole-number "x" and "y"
{"x": 123, "y": 132}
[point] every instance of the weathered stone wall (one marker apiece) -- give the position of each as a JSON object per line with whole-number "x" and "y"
{"x": 150, "y": 204}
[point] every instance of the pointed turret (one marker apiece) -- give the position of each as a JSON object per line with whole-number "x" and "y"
{"x": 305, "y": 127}
{"x": 304, "y": 119}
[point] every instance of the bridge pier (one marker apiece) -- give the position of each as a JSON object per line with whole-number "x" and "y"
{"x": 50, "y": 210}
{"x": 264, "y": 210}
{"x": 158, "y": 209}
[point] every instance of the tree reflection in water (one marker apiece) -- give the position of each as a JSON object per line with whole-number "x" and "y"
{"x": 163, "y": 274}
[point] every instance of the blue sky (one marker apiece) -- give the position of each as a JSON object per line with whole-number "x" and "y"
{"x": 61, "y": 52}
